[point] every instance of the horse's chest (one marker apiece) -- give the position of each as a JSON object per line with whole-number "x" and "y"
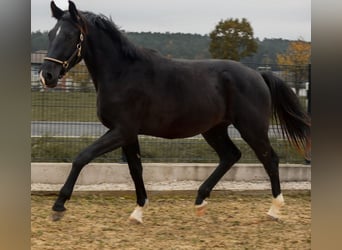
{"x": 107, "y": 113}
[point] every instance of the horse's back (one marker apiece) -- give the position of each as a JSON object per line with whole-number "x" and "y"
{"x": 187, "y": 97}
{"x": 184, "y": 99}
{"x": 242, "y": 89}
{"x": 246, "y": 95}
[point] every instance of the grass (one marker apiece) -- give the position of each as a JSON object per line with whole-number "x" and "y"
{"x": 49, "y": 149}
{"x": 81, "y": 107}
{"x": 64, "y": 106}
{"x": 70, "y": 106}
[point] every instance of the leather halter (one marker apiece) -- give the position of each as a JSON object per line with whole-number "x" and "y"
{"x": 66, "y": 63}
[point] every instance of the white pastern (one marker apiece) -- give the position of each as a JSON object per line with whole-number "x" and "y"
{"x": 203, "y": 204}
{"x": 277, "y": 203}
{"x": 137, "y": 215}
{"x": 201, "y": 208}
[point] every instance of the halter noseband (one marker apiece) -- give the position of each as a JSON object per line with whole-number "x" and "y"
{"x": 66, "y": 63}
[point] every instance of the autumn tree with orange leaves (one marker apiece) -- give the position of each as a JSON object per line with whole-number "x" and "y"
{"x": 294, "y": 62}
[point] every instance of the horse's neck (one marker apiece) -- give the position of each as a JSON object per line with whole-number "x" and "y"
{"x": 103, "y": 60}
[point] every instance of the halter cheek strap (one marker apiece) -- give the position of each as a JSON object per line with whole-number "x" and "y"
{"x": 66, "y": 63}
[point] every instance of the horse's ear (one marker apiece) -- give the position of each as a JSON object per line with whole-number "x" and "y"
{"x": 56, "y": 12}
{"x": 73, "y": 12}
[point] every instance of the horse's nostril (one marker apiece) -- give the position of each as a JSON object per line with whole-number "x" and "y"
{"x": 48, "y": 76}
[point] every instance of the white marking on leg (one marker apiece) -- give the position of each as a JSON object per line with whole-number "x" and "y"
{"x": 277, "y": 203}
{"x": 137, "y": 215}
{"x": 203, "y": 204}
{"x": 201, "y": 208}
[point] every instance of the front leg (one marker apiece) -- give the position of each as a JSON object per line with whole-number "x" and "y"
{"x": 108, "y": 142}
{"x": 132, "y": 152}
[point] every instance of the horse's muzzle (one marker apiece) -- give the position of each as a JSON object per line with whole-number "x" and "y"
{"x": 49, "y": 79}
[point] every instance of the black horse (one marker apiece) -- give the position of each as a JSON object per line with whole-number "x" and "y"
{"x": 141, "y": 92}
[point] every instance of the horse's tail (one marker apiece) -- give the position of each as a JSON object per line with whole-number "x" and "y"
{"x": 287, "y": 111}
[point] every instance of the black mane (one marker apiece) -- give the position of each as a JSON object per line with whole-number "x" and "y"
{"x": 106, "y": 24}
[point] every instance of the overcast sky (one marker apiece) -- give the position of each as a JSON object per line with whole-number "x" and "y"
{"x": 288, "y": 19}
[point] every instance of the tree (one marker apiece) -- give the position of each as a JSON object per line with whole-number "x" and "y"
{"x": 39, "y": 40}
{"x": 294, "y": 62}
{"x": 232, "y": 39}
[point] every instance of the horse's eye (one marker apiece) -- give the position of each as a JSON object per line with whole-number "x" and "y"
{"x": 68, "y": 36}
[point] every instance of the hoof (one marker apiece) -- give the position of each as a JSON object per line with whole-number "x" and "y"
{"x": 272, "y": 218}
{"x": 136, "y": 216}
{"x": 135, "y": 221}
{"x": 201, "y": 209}
{"x": 273, "y": 214}
{"x": 56, "y": 215}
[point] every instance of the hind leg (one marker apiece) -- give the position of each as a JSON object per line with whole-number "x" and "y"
{"x": 228, "y": 153}
{"x": 259, "y": 142}
{"x": 271, "y": 165}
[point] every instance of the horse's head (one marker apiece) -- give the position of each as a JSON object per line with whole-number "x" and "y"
{"x": 65, "y": 44}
